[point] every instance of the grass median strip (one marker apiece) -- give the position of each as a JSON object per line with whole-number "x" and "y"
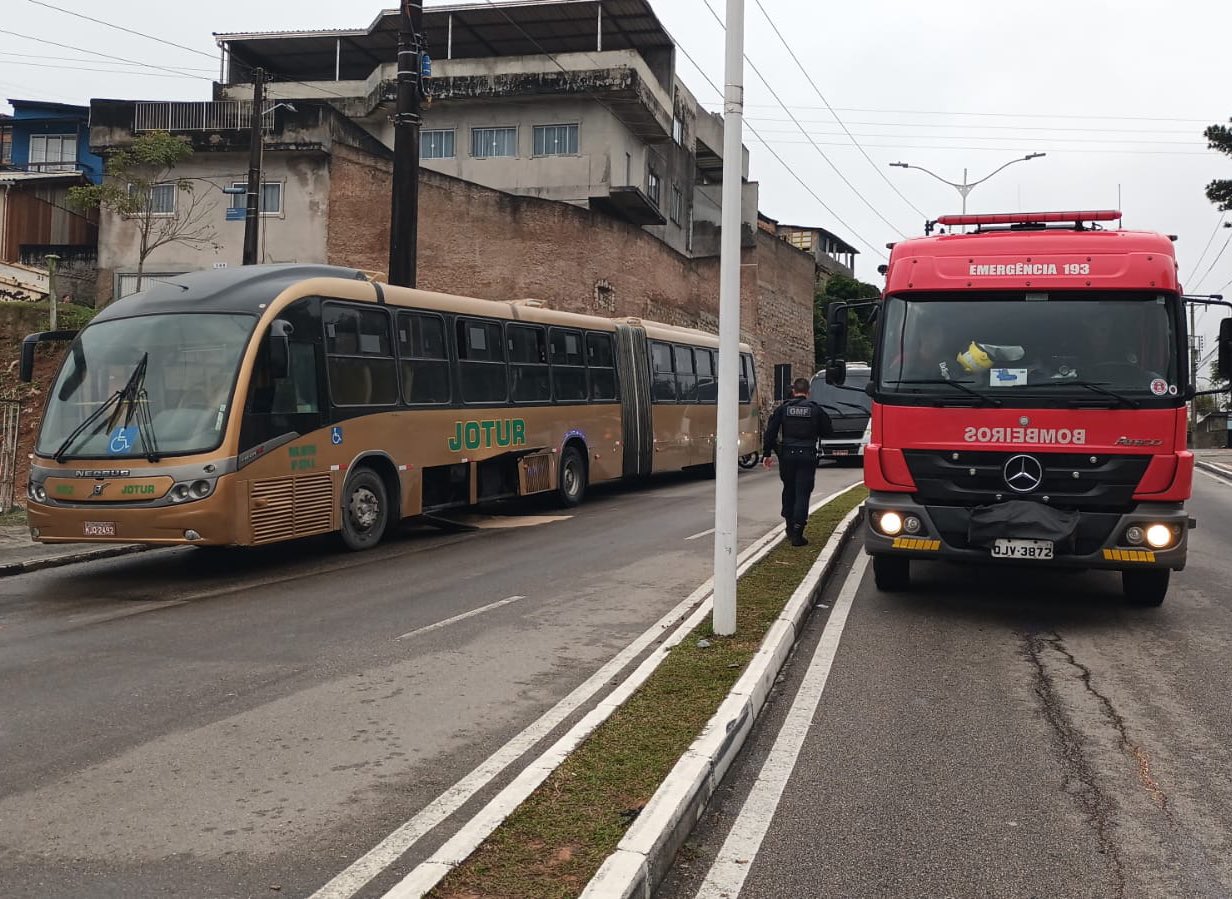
{"x": 555, "y": 842}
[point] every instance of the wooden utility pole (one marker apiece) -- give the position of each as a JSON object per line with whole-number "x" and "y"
{"x": 252, "y": 218}
{"x": 404, "y": 210}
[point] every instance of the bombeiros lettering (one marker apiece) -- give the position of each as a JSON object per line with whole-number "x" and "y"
{"x": 1027, "y": 436}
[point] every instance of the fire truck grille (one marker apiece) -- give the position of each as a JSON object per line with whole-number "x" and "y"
{"x": 1082, "y": 482}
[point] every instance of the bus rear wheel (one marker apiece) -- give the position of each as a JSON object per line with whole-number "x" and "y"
{"x": 571, "y": 480}
{"x": 365, "y": 510}
{"x": 1146, "y": 588}
{"x": 892, "y": 574}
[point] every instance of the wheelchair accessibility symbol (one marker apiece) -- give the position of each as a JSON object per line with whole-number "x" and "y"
{"x": 335, "y": 436}
{"x": 122, "y": 440}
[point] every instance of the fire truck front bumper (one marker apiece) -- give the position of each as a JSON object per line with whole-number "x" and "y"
{"x": 1151, "y": 535}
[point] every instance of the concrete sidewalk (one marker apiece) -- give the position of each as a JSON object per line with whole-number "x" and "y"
{"x": 1216, "y": 461}
{"x": 19, "y": 554}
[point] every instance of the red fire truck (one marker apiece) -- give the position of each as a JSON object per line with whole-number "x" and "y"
{"x": 1029, "y": 400}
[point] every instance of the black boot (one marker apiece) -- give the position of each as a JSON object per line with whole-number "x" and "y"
{"x": 796, "y": 532}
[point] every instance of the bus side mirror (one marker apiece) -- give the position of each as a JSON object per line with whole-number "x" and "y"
{"x": 1225, "y": 349}
{"x": 280, "y": 349}
{"x": 836, "y": 344}
{"x": 27, "y": 358}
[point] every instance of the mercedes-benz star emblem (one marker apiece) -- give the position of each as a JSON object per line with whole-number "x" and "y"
{"x": 1023, "y": 473}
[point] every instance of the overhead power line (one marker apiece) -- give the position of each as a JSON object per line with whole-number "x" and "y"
{"x": 1214, "y": 262}
{"x": 1006, "y": 138}
{"x": 1210, "y": 240}
{"x": 781, "y": 161}
{"x": 816, "y": 146}
{"x": 63, "y": 68}
{"x": 122, "y": 28}
{"x": 971, "y": 125}
{"x": 98, "y": 62}
{"x": 1010, "y": 149}
{"x": 1007, "y": 115}
{"x": 817, "y": 90}
{"x": 145, "y": 65}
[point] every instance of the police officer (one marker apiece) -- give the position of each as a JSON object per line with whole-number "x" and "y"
{"x": 802, "y": 422}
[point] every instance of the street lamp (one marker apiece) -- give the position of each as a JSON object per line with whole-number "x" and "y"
{"x": 966, "y": 186}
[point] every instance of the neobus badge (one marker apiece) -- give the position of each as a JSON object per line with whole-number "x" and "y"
{"x": 476, "y": 434}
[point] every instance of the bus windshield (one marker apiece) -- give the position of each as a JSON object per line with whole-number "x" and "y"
{"x": 1118, "y": 347}
{"x": 190, "y": 366}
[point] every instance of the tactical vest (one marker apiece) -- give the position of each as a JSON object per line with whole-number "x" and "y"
{"x": 800, "y": 423}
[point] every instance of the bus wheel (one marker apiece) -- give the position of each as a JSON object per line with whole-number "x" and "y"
{"x": 365, "y": 509}
{"x": 892, "y": 574}
{"x": 1146, "y": 587}
{"x": 571, "y": 486}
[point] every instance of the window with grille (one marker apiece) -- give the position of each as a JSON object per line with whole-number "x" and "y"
{"x": 556, "y": 140}
{"x": 488, "y": 143}
{"x": 436, "y": 144}
{"x": 270, "y": 202}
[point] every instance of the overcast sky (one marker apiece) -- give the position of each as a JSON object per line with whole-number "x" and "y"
{"x": 1116, "y": 92}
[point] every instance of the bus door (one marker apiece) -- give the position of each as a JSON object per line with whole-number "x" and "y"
{"x": 637, "y": 426}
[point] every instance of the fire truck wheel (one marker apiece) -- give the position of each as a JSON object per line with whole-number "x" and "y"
{"x": 1147, "y": 587}
{"x": 892, "y": 573}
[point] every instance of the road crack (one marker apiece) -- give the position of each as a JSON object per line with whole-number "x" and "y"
{"x": 1079, "y": 779}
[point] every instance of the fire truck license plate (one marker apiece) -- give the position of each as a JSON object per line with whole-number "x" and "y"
{"x": 1022, "y": 549}
{"x": 99, "y": 529}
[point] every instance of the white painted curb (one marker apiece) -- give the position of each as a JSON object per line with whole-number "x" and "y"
{"x": 1215, "y": 470}
{"x": 432, "y": 871}
{"x": 648, "y": 848}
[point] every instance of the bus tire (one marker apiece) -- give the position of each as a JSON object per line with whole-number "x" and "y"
{"x": 892, "y": 574}
{"x": 1146, "y": 587}
{"x": 365, "y": 510}
{"x": 571, "y": 478}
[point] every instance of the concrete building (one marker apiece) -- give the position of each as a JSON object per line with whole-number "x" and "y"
{"x": 45, "y": 152}
{"x": 834, "y": 256}
{"x": 307, "y": 147}
{"x": 571, "y": 100}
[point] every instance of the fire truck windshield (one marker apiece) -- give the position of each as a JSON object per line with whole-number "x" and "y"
{"x": 1118, "y": 346}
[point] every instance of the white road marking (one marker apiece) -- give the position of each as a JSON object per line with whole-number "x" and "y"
{"x": 702, "y": 534}
{"x": 1224, "y": 477}
{"x": 456, "y": 618}
{"x": 726, "y": 876}
{"x": 364, "y": 869}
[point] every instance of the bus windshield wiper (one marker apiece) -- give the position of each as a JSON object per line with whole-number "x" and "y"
{"x": 137, "y": 402}
{"x": 957, "y": 385}
{"x": 1094, "y": 387}
{"x": 129, "y": 389}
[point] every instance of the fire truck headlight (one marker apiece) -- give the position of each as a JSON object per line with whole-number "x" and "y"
{"x": 1134, "y": 536}
{"x": 890, "y": 524}
{"x": 1159, "y": 536}
{"x": 912, "y": 524}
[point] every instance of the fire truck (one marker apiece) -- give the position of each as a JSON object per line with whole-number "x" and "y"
{"x": 1029, "y": 393}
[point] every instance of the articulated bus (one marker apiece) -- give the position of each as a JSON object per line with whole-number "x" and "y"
{"x": 255, "y": 405}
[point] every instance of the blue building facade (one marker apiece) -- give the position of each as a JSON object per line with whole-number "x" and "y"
{"x": 52, "y": 137}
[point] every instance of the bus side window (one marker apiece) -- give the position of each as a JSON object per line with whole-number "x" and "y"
{"x": 662, "y": 375}
{"x": 748, "y": 383}
{"x": 568, "y": 365}
{"x": 425, "y": 359}
{"x": 481, "y": 361}
{"x": 276, "y": 406}
{"x": 359, "y": 350}
{"x": 686, "y": 374}
{"x": 707, "y": 386}
{"x": 601, "y": 358}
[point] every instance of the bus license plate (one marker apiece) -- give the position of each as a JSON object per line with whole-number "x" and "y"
{"x": 840, "y": 452}
{"x": 99, "y": 529}
{"x": 1022, "y": 549}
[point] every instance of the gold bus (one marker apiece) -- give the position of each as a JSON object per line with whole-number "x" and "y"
{"x": 253, "y": 405}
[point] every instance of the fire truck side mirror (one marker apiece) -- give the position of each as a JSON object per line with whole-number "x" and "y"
{"x": 1225, "y": 349}
{"x": 836, "y": 344}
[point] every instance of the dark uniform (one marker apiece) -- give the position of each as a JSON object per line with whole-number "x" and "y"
{"x": 803, "y": 423}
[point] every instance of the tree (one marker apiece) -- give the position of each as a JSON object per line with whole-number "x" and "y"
{"x": 1214, "y": 403}
{"x": 1219, "y": 191}
{"x": 859, "y": 338}
{"x": 140, "y": 186}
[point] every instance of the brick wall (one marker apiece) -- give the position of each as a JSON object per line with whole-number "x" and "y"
{"x": 484, "y": 243}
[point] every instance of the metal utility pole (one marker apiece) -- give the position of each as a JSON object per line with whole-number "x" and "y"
{"x": 404, "y": 211}
{"x": 252, "y": 217}
{"x": 727, "y": 449}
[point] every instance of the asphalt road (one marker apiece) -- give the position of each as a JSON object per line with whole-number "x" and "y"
{"x": 247, "y": 723}
{"x": 1004, "y": 734}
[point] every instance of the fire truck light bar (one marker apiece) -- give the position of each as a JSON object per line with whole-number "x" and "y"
{"x": 1031, "y": 218}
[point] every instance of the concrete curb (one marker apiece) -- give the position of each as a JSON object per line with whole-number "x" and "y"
{"x": 1215, "y": 470}
{"x": 645, "y": 854}
{"x": 13, "y": 568}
